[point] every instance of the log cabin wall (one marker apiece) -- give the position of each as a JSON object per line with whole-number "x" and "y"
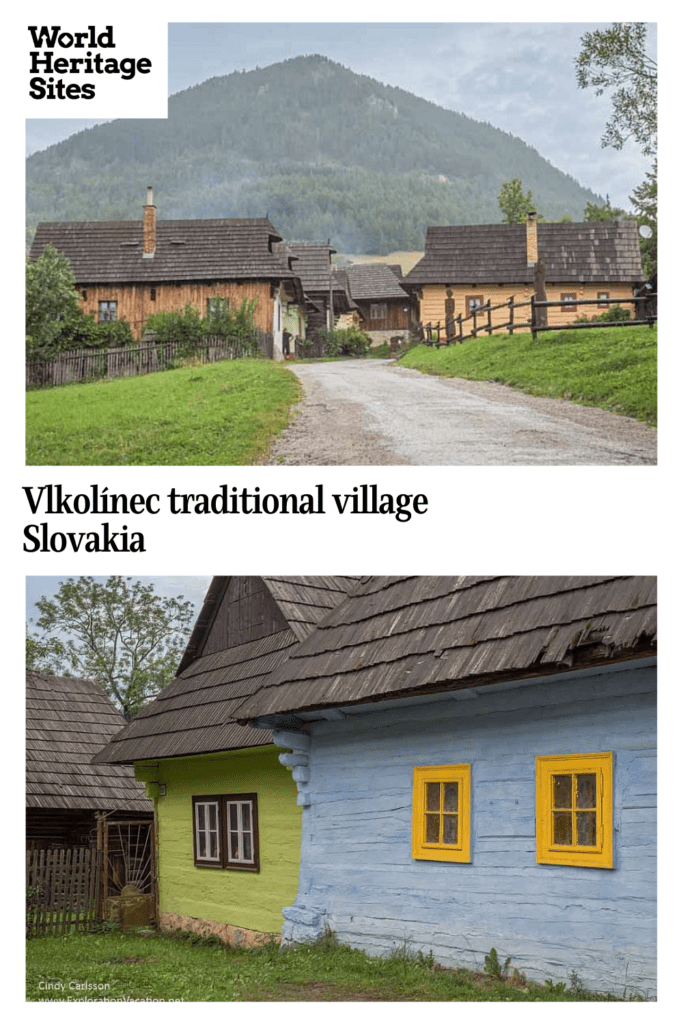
{"x": 137, "y": 302}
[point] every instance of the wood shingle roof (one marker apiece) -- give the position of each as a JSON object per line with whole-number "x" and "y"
{"x": 496, "y": 254}
{"x": 404, "y": 636}
{"x": 67, "y": 721}
{"x": 374, "y": 281}
{"x": 244, "y": 630}
{"x": 186, "y": 250}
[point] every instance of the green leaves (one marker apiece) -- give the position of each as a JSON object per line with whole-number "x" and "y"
{"x": 119, "y": 632}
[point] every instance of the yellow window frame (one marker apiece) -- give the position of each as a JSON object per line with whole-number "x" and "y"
{"x": 451, "y": 820}
{"x": 568, "y": 813}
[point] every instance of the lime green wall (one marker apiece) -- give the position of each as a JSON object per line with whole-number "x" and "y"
{"x": 241, "y": 898}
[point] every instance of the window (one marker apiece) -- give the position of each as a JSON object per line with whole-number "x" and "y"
{"x": 441, "y": 813}
{"x": 568, "y": 300}
{"x": 378, "y": 311}
{"x": 574, "y": 810}
{"x": 226, "y": 831}
{"x": 107, "y": 311}
{"x": 473, "y": 302}
{"x": 603, "y": 300}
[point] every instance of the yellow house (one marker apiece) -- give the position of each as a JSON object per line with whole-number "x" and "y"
{"x": 478, "y": 263}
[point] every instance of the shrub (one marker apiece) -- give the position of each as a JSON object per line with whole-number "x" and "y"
{"x": 346, "y": 341}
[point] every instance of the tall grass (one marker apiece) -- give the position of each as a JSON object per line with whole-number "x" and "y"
{"x": 206, "y": 415}
{"x": 614, "y": 368}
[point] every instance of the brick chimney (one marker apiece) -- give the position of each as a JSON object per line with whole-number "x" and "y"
{"x": 531, "y": 239}
{"x": 149, "y": 224}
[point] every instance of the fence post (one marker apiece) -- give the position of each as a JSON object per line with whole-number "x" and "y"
{"x": 511, "y": 317}
{"x": 533, "y": 316}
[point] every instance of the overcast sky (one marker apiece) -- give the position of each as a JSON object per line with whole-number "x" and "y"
{"x": 517, "y": 77}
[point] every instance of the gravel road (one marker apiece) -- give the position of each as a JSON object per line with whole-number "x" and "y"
{"x": 376, "y": 413}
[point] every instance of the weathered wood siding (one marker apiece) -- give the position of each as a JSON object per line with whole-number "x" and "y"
{"x": 397, "y": 318}
{"x": 136, "y": 305}
{"x": 246, "y": 900}
{"x": 432, "y": 309}
{"x": 358, "y": 876}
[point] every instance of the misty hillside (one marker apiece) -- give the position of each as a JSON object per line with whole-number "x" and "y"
{"x": 324, "y": 152}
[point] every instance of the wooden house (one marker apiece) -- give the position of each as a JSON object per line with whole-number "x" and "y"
{"x": 127, "y": 270}
{"x": 386, "y": 309}
{"x": 226, "y": 812}
{"x": 67, "y": 722}
{"x": 325, "y": 288}
{"x": 480, "y": 757}
{"x": 478, "y": 263}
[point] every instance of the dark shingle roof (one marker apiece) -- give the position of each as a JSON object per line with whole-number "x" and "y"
{"x": 186, "y": 250}
{"x": 195, "y": 714}
{"x": 374, "y": 281}
{"x": 402, "y": 636}
{"x": 312, "y": 265}
{"x": 67, "y": 721}
{"x": 496, "y": 253}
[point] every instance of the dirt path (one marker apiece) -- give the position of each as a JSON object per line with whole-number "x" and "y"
{"x": 376, "y": 413}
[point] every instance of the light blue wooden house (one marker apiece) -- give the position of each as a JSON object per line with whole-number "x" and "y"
{"x": 475, "y": 757}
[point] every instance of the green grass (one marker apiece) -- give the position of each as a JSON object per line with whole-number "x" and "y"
{"x": 129, "y": 966}
{"x": 222, "y": 414}
{"x": 614, "y": 368}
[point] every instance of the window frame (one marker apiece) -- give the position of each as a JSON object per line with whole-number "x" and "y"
{"x": 379, "y": 311}
{"x": 603, "y": 300}
{"x": 107, "y": 311}
{"x": 599, "y": 855}
{"x": 568, "y": 300}
{"x": 473, "y": 303}
{"x": 423, "y": 850}
{"x": 224, "y": 861}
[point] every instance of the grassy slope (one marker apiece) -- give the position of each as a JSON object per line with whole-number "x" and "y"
{"x": 130, "y": 966}
{"x": 614, "y": 368}
{"x": 221, "y": 414}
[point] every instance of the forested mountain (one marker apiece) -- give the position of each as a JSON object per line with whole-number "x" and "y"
{"x": 325, "y": 152}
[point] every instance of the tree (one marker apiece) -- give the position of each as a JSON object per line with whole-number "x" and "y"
{"x": 593, "y": 212}
{"x": 43, "y": 654}
{"x": 514, "y": 204}
{"x": 120, "y": 633}
{"x": 615, "y": 59}
{"x": 644, "y": 201}
{"x": 51, "y": 300}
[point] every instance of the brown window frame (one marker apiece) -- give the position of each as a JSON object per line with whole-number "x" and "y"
{"x": 383, "y": 311}
{"x": 224, "y": 862}
{"x": 110, "y": 306}
{"x": 568, "y": 300}
{"x": 603, "y": 300}
{"x": 469, "y": 299}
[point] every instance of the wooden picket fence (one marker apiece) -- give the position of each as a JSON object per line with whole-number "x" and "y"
{"x": 82, "y": 365}
{"x": 62, "y": 890}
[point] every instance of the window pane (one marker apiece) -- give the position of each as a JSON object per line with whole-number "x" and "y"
{"x": 562, "y": 828}
{"x": 213, "y": 812}
{"x": 213, "y": 845}
{"x": 246, "y": 817}
{"x": 246, "y": 843}
{"x": 450, "y": 828}
{"x": 234, "y": 846}
{"x": 586, "y": 834}
{"x": 201, "y": 844}
{"x": 450, "y": 796}
{"x": 585, "y": 790}
{"x": 432, "y": 835}
{"x": 433, "y": 796}
{"x": 562, "y": 790}
{"x": 233, "y": 815}
{"x": 200, "y": 817}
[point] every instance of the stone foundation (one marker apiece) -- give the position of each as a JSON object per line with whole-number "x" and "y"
{"x": 230, "y": 934}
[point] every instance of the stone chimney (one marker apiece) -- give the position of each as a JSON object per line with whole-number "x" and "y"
{"x": 149, "y": 225}
{"x": 531, "y": 239}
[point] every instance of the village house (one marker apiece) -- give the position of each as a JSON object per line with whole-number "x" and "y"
{"x": 478, "y": 263}
{"x": 325, "y": 287}
{"x": 228, "y": 824}
{"x": 478, "y": 762}
{"x": 385, "y": 307}
{"x": 67, "y": 722}
{"x": 127, "y": 270}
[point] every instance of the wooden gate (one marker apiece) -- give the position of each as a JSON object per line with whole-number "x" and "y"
{"x": 128, "y": 883}
{"x": 62, "y": 890}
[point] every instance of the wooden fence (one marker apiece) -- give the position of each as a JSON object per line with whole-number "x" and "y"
{"x": 84, "y": 365}
{"x": 482, "y": 322}
{"x": 62, "y": 890}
